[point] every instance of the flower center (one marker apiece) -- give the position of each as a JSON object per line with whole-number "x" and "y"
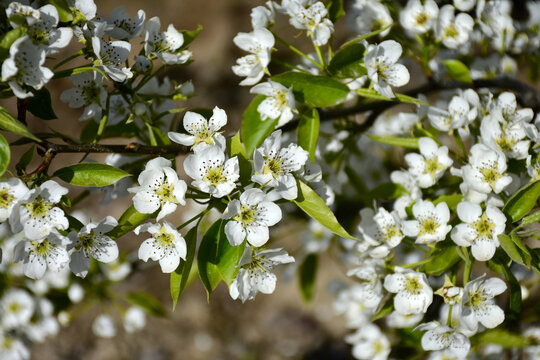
{"x": 5, "y": 198}
{"x": 41, "y": 248}
{"x": 273, "y": 166}
{"x": 246, "y": 215}
{"x": 39, "y": 207}
{"x": 412, "y": 285}
{"x": 91, "y": 93}
{"x": 428, "y": 225}
{"x": 215, "y": 176}
{"x": 87, "y": 240}
{"x": 490, "y": 174}
{"x": 505, "y": 143}
{"x": 450, "y": 31}
{"x": 163, "y": 237}
{"x": 484, "y": 226}
{"x": 476, "y": 299}
{"x": 433, "y": 166}
{"x": 390, "y": 231}
{"x": 422, "y": 18}
{"x": 165, "y": 192}
{"x": 14, "y": 307}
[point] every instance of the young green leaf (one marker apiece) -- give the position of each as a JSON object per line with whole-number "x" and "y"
{"x": 443, "y": 259}
{"x": 254, "y": 130}
{"x": 64, "y": 12}
{"x": 9, "y": 38}
{"x": 363, "y": 37}
{"x": 522, "y": 201}
{"x": 180, "y": 277}
{"x": 373, "y": 94}
{"x": 236, "y": 148}
{"x": 315, "y": 207}
{"x": 348, "y": 62}
{"x": 411, "y": 143}
{"x": 190, "y": 35}
{"x": 308, "y": 132}
{"x": 451, "y": 200}
{"x": 40, "y": 105}
{"x": 313, "y": 90}
{"x": 458, "y": 70}
{"x": 335, "y": 10}
{"x": 308, "y": 272}
{"x": 531, "y": 219}
{"x": 5, "y": 154}
{"x": 9, "y": 123}
{"x": 515, "y": 249}
{"x": 147, "y": 302}
{"x": 90, "y": 174}
{"x": 386, "y": 309}
{"x": 25, "y": 159}
{"x": 129, "y": 220}
{"x": 387, "y": 191}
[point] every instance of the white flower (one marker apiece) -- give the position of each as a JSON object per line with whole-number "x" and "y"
{"x": 86, "y": 7}
{"x": 359, "y": 301}
{"x": 111, "y": 56}
{"x": 203, "y": 133}
{"x": 259, "y": 44}
{"x": 75, "y": 293}
{"x": 17, "y": 11}
{"x": 479, "y": 229}
{"x": 24, "y": 67}
{"x": 505, "y": 107}
{"x": 431, "y": 224}
{"x": 134, "y": 319}
{"x": 413, "y": 293}
{"x": 116, "y": 270}
{"x": 381, "y": 231}
{"x": 91, "y": 242}
{"x": 166, "y": 245}
{"x": 124, "y": 27}
{"x": 464, "y": 5}
{"x": 409, "y": 182}
{"x": 369, "y": 343}
{"x": 250, "y": 218}
{"x": 165, "y": 45}
{"x": 417, "y": 17}
{"x": 477, "y": 304}
{"x": 11, "y": 190}
{"x": 373, "y": 16}
{"x": 313, "y": 19}
{"x": 452, "y": 30}
{"x": 486, "y": 170}
{"x": 12, "y": 347}
{"x": 382, "y": 68}
{"x": 159, "y": 188}
{"x": 16, "y": 309}
{"x": 279, "y": 103}
{"x": 398, "y": 320}
{"x": 273, "y": 165}
{"x": 256, "y": 274}
{"x": 103, "y": 326}
{"x": 316, "y": 238}
{"x": 439, "y": 337}
{"x": 428, "y": 166}
{"x": 35, "y": 213}
{"x": 211, "y": 173}
{"x": 89, "y": 92}
{"x": 262, "y": 16}
{"x": 511, "y": 139}
{"x": 459, "y": 115}
{"x": 38, "y": 256}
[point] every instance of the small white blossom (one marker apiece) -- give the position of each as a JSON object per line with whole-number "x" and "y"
{"x": 255, "y": 274}
{"x": 211, "y": 173}
{"x": 419, "y": 17}
{"x": 459, "y": 115}
{"x": 103, "y": 326}
{"x": 87, "y": 8}
{"x": 111, "y": 56}
{"x": 124, "y": 27}
{"x": 373, "y": 16}
{"x": 477, "y": 304}
{"x": 279, "y": 103}
{"x": 486, "y": 171}
{"x": 91, "y": 242}
{"x": 166, "y": 245}
{"x": 273, "y": 165}
{"x": 453, "y": 30}
{"x": 380, "y": 230}
{"x": 413, "y": 293}
{"x": 480, "y": 229}
{"x": 16, "y": 309}
{"x": 202, "y": 132}
{"x": 428, "y": 166}
{"x": 383, "y": 69}
{"x": 164, "y": 45}
{"x": 313, "y": 19}
{"x": 262, "y": 16}
{"x": 159, "y": 188}
{"x": 259, "y": 44}
{"x": 511, "y": 139}
{"x": 11, "y": 190}
{"x": 250, "y": 218}
{"x": 369, "y": 343}
{"x": 431, "y": 224}
{"x": 398, "y": 320}
{"x": 89, "y": 92}
{"x": 439, "y": 337}
{"x": 359, "y": 302}
{"x": 12, "y": 347}
{"x": 134, "y": 319}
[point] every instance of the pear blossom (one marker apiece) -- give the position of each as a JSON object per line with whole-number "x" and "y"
{"x": 87, "y": 8}
{"x": 17, "y": 10}
{"x": 16, "y": 308}
{"x": 419, "y": 17}
{"x": 259, "y": 44}
{"x": 478, "y": 305}
{"x": 431, "y": 224}
{"x": 382, "y": 68}
{"x": 202, "y": 132}
{"x": 88, "y": 92}
{"x": 369, "y": 343}
{"x": 11, "y": 190}
{"x": 313, "y": 19}
{"x": 486, "y": 171}
{"x": 255, "y": 274}
{"x": 124, "y": 27}
{"x": 450, "y": 293}
{"x": 480, "y": 229}
{"x": 250, "y": 218}
{"x": 459, "y": 115}
{"x": 25, "y": 67}
{"x": 413, "y": 293}
{"x": 279, "y": 104}
{"x": 510, "y": 139}
{"x": 211, "y": 173}
{"x": 533, "y": 168}
{"x": 398, "y": 320}
{"x": 453, "y": 30}
{"x": 38, "y": 256}
{"x": 36, "y": 213}
{"x": 428, "y": 166}
{"x": 160, "y": 189}
{"x": 372, "y": 16}
{"x": 111, "y": 55}
{"x": 166, "y": 46}
{"x": 359, "y": 302}
{"x": 410, "y": 183}
{"x": 12, "y": 347}
{"x": 134, "y": 319}
{"x": 103, "y": 326}
{"x": 439, "y": 337}
{"x": 505, "y": 107}
{"x": 262, "y": 16}
{"x": 166, "y": 245}
{"x": 381, "y": 230}
{"x": 464, "y": 5}
{"x": 92, "y": 242}
{"x": 273, "y": 166}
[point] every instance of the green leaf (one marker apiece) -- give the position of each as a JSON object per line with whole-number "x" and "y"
{"x": 313, "y": 90}
{"x": 315, "y": 207}
{"x": 180, "y": 277}
{"x": 236, "y": 148}
{"x": 308, "y": 272}
{"x": 458, "y": 70}
{"x": 129, "y": 220}
{"x": 40, "y": 105}
{"x": 373, "y": 94}
{"x": 9, "y": 123}
{"x": 515, "y": 249}
{"x": 365, "y": 36}
{"x": 335, "y": 10}
{"x": 8, "y": 39}
{"x": 531, "y": 219}
{"x": 308, "y": 132}
{"x": 64, "y": 11}
{"x": 451, "y": 200}
{"x": 348, "y": 62}
{"x": 411, "y": 143}
{"x": 254, "y": 130}
{"x": 77, "y": 70}
{"x": 5, "y": 154}
{"x": 217, "y": 259}
{"x": 90, "y": 174}
{"x": 516, "y": 301}
{"x": 501, "y": 337}
{"x": 147, "y": 302}
{"x": 190, "y": 35}
{"x": 25, "y": 159}
{"x": 443, "y": 259}
{"x": 386, "y": 309}
{"x": 522, "y": 201}
{"x": 387, "y": 191}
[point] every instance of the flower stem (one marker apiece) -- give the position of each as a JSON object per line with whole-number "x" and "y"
{"x": 295, "y": 50}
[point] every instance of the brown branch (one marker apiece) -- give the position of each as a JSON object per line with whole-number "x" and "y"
{"x": 132, "y": 148}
